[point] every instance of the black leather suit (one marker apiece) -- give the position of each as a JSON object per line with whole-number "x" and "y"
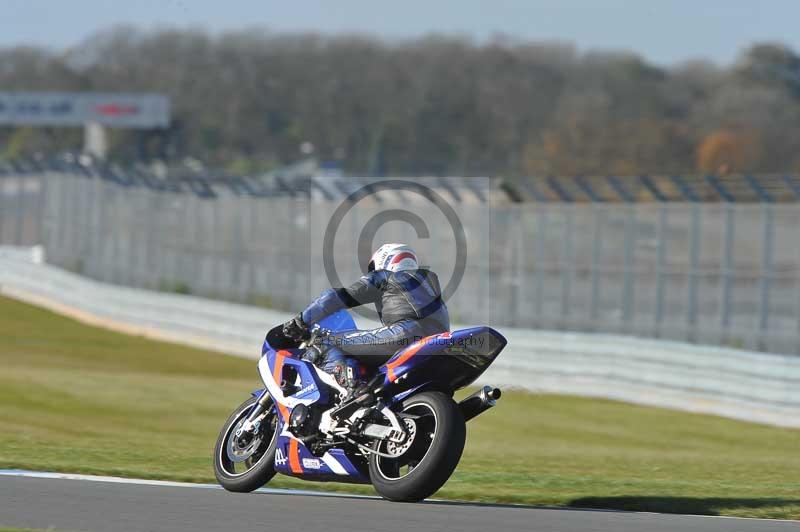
{"x": 408, "y": 302}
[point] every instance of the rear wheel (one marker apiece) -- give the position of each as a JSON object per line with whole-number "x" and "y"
{"x": 418, "y": 467}
{"x": 245, "y": 461}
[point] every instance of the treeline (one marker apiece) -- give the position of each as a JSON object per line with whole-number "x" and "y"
{"x": 253, "y": 100}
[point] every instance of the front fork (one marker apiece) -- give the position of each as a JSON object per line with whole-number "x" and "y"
{"x": 256, "y": 415}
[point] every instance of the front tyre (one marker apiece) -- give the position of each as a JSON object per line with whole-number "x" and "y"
{"x": 244, "y": 462}
{"x": 422, "y": 464}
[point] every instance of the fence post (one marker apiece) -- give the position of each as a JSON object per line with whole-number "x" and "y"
{"x": 131, "y": 253}
{"x": 116, "y": 237}
{"x": 217, "y": 239}
{"x": 628, "y": 273}
{"x": 87, "y": 250}
{"x": 175, "y": 207}
{"x": 484, "y": 268}
{"x": 515, "y": 233}
{"x": 96, "y": 237}
{"x": 727, "y": 273}
{"x": 81, "y": 208}
{"x": 289, "y": 237}
{"x": 71, "y": 195}
{"x": 694, "y": 259}
{"x": 197, "y": 206}
{"x": 797, "y": 297}
{"x": 237, "y": 288}
{"x": 83, "y": 222}
{"x": 39, "y": 210}
{"x": 539, "y": 258}
{"x": 37, "y": 207}
{"x": 273, "y": 215}
{"x": 661, "y": 255}
{"x": 253, "y": 208}
{"x": 60, "y": 219}
{"x": 155, "y": 238}
{"x": 568, "y": 269}
{"x": 139, "y": 243}
{"x": 2, "y": 212}
{"x": 22, "y": 202}
{"x": 767, "y": 224}
{"x": 181, "y": 272}
{"x": 597, "y": 250}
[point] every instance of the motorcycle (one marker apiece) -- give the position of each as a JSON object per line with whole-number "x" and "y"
{"x": 402, "y": 432}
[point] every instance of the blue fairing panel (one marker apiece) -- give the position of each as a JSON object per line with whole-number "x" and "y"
{"x": 400, "y": 397}
{"x": 293, "y": 458}
{"x": 337, "y": 322}
{"x": 474, "y": 349}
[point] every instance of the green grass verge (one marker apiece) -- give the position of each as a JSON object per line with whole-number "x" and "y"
{"x": 7, "y": 529}
{"x": 81, "y": 399}
{"x": 11, "y": 529}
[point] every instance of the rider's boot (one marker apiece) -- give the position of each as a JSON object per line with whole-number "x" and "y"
{"x": 348, "y": 373}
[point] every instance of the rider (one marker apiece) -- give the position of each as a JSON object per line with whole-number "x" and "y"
{"x": 408, "y": 300}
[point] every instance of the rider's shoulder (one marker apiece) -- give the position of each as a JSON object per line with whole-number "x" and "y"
{"x": 381, "y": 278}
{"x": 376, "y": 277}
{"x": 420, "y": 273}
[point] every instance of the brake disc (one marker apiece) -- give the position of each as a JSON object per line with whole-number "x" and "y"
{"x": 242, "y": 446}
{"x": 399, "y": 448}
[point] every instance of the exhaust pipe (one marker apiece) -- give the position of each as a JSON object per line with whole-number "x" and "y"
{"x": 479, "y": 402}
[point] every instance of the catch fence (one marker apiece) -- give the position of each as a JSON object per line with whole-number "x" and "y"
{"x": 714, "y": 273}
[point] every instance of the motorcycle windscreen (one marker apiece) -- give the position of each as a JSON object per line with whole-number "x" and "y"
{"x": 338, "y": 322}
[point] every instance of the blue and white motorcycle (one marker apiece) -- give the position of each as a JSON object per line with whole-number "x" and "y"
{"x": 404, "y": 434}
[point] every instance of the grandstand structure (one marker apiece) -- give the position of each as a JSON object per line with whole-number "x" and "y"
{"x": 300, "y": 180}
{"x": 306, "y": 179}
{"x": 743, "y": 188}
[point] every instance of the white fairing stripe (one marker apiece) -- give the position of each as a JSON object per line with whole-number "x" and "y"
{"x": 274, "y": 388}
{"x": 329, "y": 379}
{"x": 290, "y": 402}
{"x": 334, "y": 464}
{"x": 356, "y": 334}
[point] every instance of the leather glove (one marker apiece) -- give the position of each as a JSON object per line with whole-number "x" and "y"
{"x": 296, "y": 329}
{"x": 315, "y": 354}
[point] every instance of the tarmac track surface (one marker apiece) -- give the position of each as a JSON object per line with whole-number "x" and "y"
{"x": 101, "y": 504}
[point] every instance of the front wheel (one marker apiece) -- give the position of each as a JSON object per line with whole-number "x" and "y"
{"x": 245, "y": 461}
{"x": 422, "y": 464}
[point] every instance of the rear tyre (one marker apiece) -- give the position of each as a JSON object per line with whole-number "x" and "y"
{"x": 422, "y": 464}
{"x": 244, "y": 464}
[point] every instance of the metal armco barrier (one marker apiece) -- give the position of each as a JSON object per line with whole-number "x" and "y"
{"x": 745, "y": 385}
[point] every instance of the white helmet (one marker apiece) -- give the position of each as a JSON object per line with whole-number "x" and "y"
{"x": 393, "y": 257}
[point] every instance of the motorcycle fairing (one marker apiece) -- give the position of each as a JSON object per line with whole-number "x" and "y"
{"x": 294, "y": 459}
{"x": 338, "y": 322}
{"x": 473, "y": 349}
{"x": 272, "y": 367}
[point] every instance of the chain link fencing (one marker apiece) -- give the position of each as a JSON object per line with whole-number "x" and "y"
{"x": 712, "y": 273}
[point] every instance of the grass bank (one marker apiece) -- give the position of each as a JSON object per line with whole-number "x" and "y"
{"x": 76, "y": 398}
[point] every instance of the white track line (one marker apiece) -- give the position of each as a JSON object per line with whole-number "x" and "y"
{"x": 280, "y": 491}
{"x": 167, "y": 483}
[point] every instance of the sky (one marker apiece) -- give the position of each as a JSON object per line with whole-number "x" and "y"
{"x": 665, "y": 32}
